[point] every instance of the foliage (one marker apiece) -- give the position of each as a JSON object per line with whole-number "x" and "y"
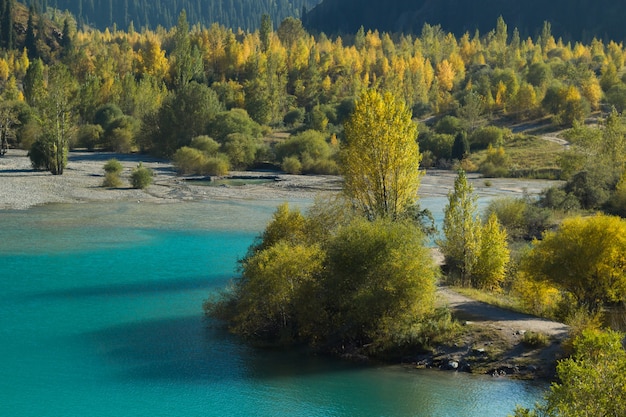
{"x": 113, "y": 166}
{"x": 311, "y": 151}
{"x": 475, "y": 254}
{"x": 216, "y": 165}
{"x": 585, "y": 258}
{"x": 460, "y": 244}
{"x": 493, "y": 258}
{"x": 189, "y": 160}
{"x": 291, "y": 165}
{"x": 111, "y": 180}
{"x": 535, "y": 340}
{"x": 591, "y": 383}
{"x": 335, "y": 281}
{"x": 496, "y": 163}
{"x": 488, "y": 136}
{"x": 141, "y": 177}
{"x": 380, "y": 160}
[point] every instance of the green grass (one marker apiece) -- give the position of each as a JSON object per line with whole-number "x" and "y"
{"x": 529, "y": 154}
{"x": 499, "y": 300}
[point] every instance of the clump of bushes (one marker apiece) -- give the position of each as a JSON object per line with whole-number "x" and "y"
{"x": 112, "y": 170}
{"x": 307, "y": 152}
{"x": 201, "y": 158}
{"x": 141, "y": 177}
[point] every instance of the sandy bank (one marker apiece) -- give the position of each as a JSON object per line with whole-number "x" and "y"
{"x": 22, "y": 187}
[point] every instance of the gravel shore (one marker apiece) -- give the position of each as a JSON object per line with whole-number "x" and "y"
{"x": 22, "y": 187}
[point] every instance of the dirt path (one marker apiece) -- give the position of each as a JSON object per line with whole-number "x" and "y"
{"x": 492, "y": 341}
{"x": 509, "y": 321}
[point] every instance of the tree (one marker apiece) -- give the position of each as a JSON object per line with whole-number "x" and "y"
{"x": 380, "y": 160}
{"x": 462, "y": 230}
{"x": 265, "y": 32}
{"x": 57, "y": 117}
{"x": 585, "y": 257}
{"x": 184, "y": 115}
{"x": 493, "y": 257}
{"x": 591, "y": 383}
{"x": 187, "y": 63}
{"x": 34, "y": 83}
{"x": 8, "y": 121}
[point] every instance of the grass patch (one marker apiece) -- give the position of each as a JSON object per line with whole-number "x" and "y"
{"x": 498, "y": 300}
{"x": 528, "y": 154}
{"x": 535, "y": 339}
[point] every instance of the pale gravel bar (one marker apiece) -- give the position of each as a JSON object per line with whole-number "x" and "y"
{"x": 22, "y": 187}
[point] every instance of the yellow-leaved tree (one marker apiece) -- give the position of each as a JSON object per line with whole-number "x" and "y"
{"x": 380, "y": 159}
{"x": 585, "y": 257}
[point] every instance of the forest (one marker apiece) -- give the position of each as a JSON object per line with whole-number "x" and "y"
{"x": 234, "y": 14}
{"x": 580, "y": 20}
{"x": 214, "y": 99}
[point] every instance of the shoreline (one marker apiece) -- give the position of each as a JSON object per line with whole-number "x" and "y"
{"x": 21, "y": 188}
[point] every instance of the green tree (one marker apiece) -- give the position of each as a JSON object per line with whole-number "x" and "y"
{"x": 187, "y": 62}
{"x": 184, "y": 115}
{"x": 585, "y": 257}
{"x": 380, "y": 160}
{"x": 34, "y": 83}
{"x": 462, "y": 231}
{"x": 591, "y": 383}
{"x": 57, "y": 116}
{"x": 265, "y": 32}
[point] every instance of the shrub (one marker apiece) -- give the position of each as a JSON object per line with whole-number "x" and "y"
{"x": 111, "y": 180}
{"x": 205, "y": 144}
{"x": 189, "y": 161}
{"x": 141, "y": 177}
{"x": 241, "y": 149}
{"x": 113, "y": 166}
{"x": 292, "y": 165}
{"x": 488, "y": 136}
{"x": 496, "y": 163}
{"x": 90, "y": 136}
{"x": 216, "y": 165}
{"x": 294, "y": 117}
{"x": 40, "y": 154}
{"x": 535, "y": 340}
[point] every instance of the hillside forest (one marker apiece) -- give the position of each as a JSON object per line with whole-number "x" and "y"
{"x": 242, "y": 14}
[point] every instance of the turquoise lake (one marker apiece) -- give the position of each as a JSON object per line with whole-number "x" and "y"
{"x": 101, "y": 315}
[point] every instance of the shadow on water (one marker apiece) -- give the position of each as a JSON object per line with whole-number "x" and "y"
{"x": 136, "y": 288}
{"x": 194, "y": 348}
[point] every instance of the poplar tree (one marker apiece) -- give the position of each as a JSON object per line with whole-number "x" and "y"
{"x": 381, "y": 157}
{"x": 462, "y": 230}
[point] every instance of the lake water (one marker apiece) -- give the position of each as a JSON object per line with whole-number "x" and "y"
{"x": 100, "y": 315}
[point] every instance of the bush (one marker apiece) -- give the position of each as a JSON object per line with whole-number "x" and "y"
{"x": 40, "y": 154}
{"x": 89, "y": 136}
{"x": 294, "y": 117}
{"x": 292, "y": 165}
{"x": 141, "y": 177}
{"x": 535, "y": 340}
{"x": 217, "y": 165}
{"x": 488, "y": 135}
{"x": 111, "y": 180}
{"x": 205, "y": 144}
{"x": 189, "y": 161}
{"x": 241, "y": 149}
{"x": 113, "y": 166}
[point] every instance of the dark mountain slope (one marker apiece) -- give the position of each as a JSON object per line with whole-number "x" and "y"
{"x": 570, "y": 19}
{"x": 245, "y": 14}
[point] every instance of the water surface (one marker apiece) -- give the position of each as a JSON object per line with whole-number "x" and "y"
{"x": 100, "y": 315}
